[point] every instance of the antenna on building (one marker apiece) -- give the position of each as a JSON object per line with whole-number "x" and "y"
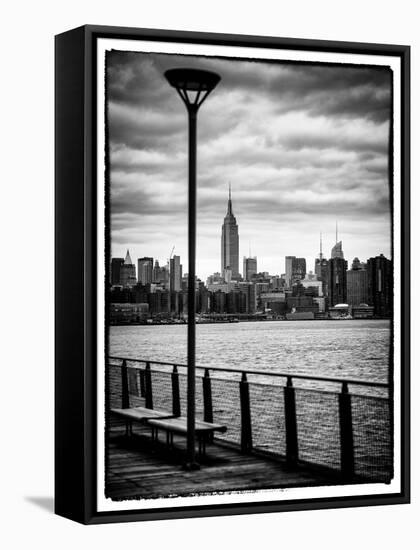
{"x": 249, "y": 249}
{"x": 320, "y": 246}
{"x": 336, "y": 232}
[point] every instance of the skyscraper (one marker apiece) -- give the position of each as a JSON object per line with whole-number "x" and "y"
{"x": 380, "y": 285}
{"x": 230, "y": 241}
{"x": 321, "y": 269}
{"x": 250, "y": 268}
{"x": 175, "y": 274}
{"x": 295, "y": 270}
{"x": 128, "y": 272}
{"x": 116, "y": 264}
{"x": 289, "y": 267}
{"x": 357, "y": 284}
{"x": 145, "y": 270}
{"x": 337, "y": 276}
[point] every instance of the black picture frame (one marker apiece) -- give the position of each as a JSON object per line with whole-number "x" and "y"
{"x": 76, "y": 267}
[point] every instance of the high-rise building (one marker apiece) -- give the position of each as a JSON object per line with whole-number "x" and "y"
{"x": 128, "y": 272}
{"x": 357, "y": 284}
{"x": 289, "y": 268}
{"x": 175, "y": 274}
{"x": 295, "y": 270}
{"x": 380, "y": 285}
{"x": 337, "y": 281}
{"x": 145, "y": 270}
{"x": 116, "y": 264}
{"x": 250, "y": 268}
{"x": 337, "y": 251}
{"x": 160, "y": 274}
{"x": 230, "y": 241}
{"x": 298, "y": 269}
{"x": 321, "y": 269}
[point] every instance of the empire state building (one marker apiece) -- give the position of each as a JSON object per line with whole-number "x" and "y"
{"x": 230, "y": 241}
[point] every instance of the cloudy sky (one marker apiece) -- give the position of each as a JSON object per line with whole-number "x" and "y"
{"x": 302, "y": 145}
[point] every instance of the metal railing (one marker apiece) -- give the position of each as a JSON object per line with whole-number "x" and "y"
{"x": 307, "y": 419}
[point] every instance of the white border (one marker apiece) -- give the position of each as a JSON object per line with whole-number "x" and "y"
{"x": 107, "y": 505}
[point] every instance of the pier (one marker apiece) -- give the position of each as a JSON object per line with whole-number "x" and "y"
{"x": 282, "y": 430}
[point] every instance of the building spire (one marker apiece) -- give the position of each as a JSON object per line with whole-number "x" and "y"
{"x": 320, "y": 246}
{"x": 127, "y": 260}
{"x": 336, "y": 232}
{"x": 229, "y": 210}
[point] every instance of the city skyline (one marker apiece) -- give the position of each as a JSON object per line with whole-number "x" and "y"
{"x": 323, "y": 157}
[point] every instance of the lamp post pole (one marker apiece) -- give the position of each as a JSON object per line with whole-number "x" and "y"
{"x": 193, "y": 86}
{"x": 192, "y": 224}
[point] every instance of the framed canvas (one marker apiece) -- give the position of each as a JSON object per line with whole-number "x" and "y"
{"x": 232, "y": 274}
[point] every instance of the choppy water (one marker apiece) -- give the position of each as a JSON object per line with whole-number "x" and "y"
{"x": 347, "y": 349}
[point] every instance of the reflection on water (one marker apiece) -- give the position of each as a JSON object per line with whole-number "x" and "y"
{"x": 345, "y": 349}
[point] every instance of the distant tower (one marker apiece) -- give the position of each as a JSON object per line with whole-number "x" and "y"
{"x": 337, "y": 249}
{"x": 337, "y": 274}
{"x": 250, "y": 267}
{"x": 116, "y": 264}
{"x": 128, "y": 272}
{"x": 230, "y": 241}
{"x": 175, "y": 274}
{"x": 321, "y": 268}
{"x": 145, "y": 270}
{"x": 380, "y": 285}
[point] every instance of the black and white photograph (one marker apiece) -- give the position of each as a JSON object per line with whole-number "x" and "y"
{"x": 250, "y": 282}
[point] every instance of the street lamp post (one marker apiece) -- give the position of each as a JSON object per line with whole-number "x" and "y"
{"x": 193, "y": 86}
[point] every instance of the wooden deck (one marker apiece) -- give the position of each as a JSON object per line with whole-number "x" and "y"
{"x": 137, "y": 468}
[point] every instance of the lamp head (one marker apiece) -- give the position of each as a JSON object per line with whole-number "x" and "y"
{"x": 193, "y": 85}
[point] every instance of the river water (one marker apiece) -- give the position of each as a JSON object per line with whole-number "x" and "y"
{"x": 344, "y": 349}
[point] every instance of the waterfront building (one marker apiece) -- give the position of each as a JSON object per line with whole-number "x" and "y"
{"x": 363, "y": 311}
{"x": 339, "y": 311}
{"x": 251, "y": 297}
{"x": 145, "y": 270}
{"x": 116, "y": 264}
{"x": 128, "y": 272}
{"x": 202, "y": 299}
{"x": 230, "y": 241}
{"x": 250, "y": 267}
{"x": 236, "y": 302}
{"x": 218, "y": 302}
{"x": 380, "y": 286}
{"x": 126, "y": 313}
{"x": 159, "y": 302}
{"x": 175, "y": 274}
{"x": 357, "y": 284}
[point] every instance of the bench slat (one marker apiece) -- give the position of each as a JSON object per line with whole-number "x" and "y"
{"x": 179, "y": 425}
{"x": 141, "y": 413}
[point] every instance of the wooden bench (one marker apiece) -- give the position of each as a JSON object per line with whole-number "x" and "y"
{"x": 178, "y": 425}
{"x": 138, "y": 414}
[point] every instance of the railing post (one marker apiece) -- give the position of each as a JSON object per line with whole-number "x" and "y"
{"x": 148, "y": 384}
{"x": 142, "y": 383}
{"x": 246, "y": 430}
{"x": 176, "y": 403}
{"x": 346, "y": 433}
{"x": 125, "y": 396}
{"x": 292, "y": 451}
{"x": 207, "y": 398}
